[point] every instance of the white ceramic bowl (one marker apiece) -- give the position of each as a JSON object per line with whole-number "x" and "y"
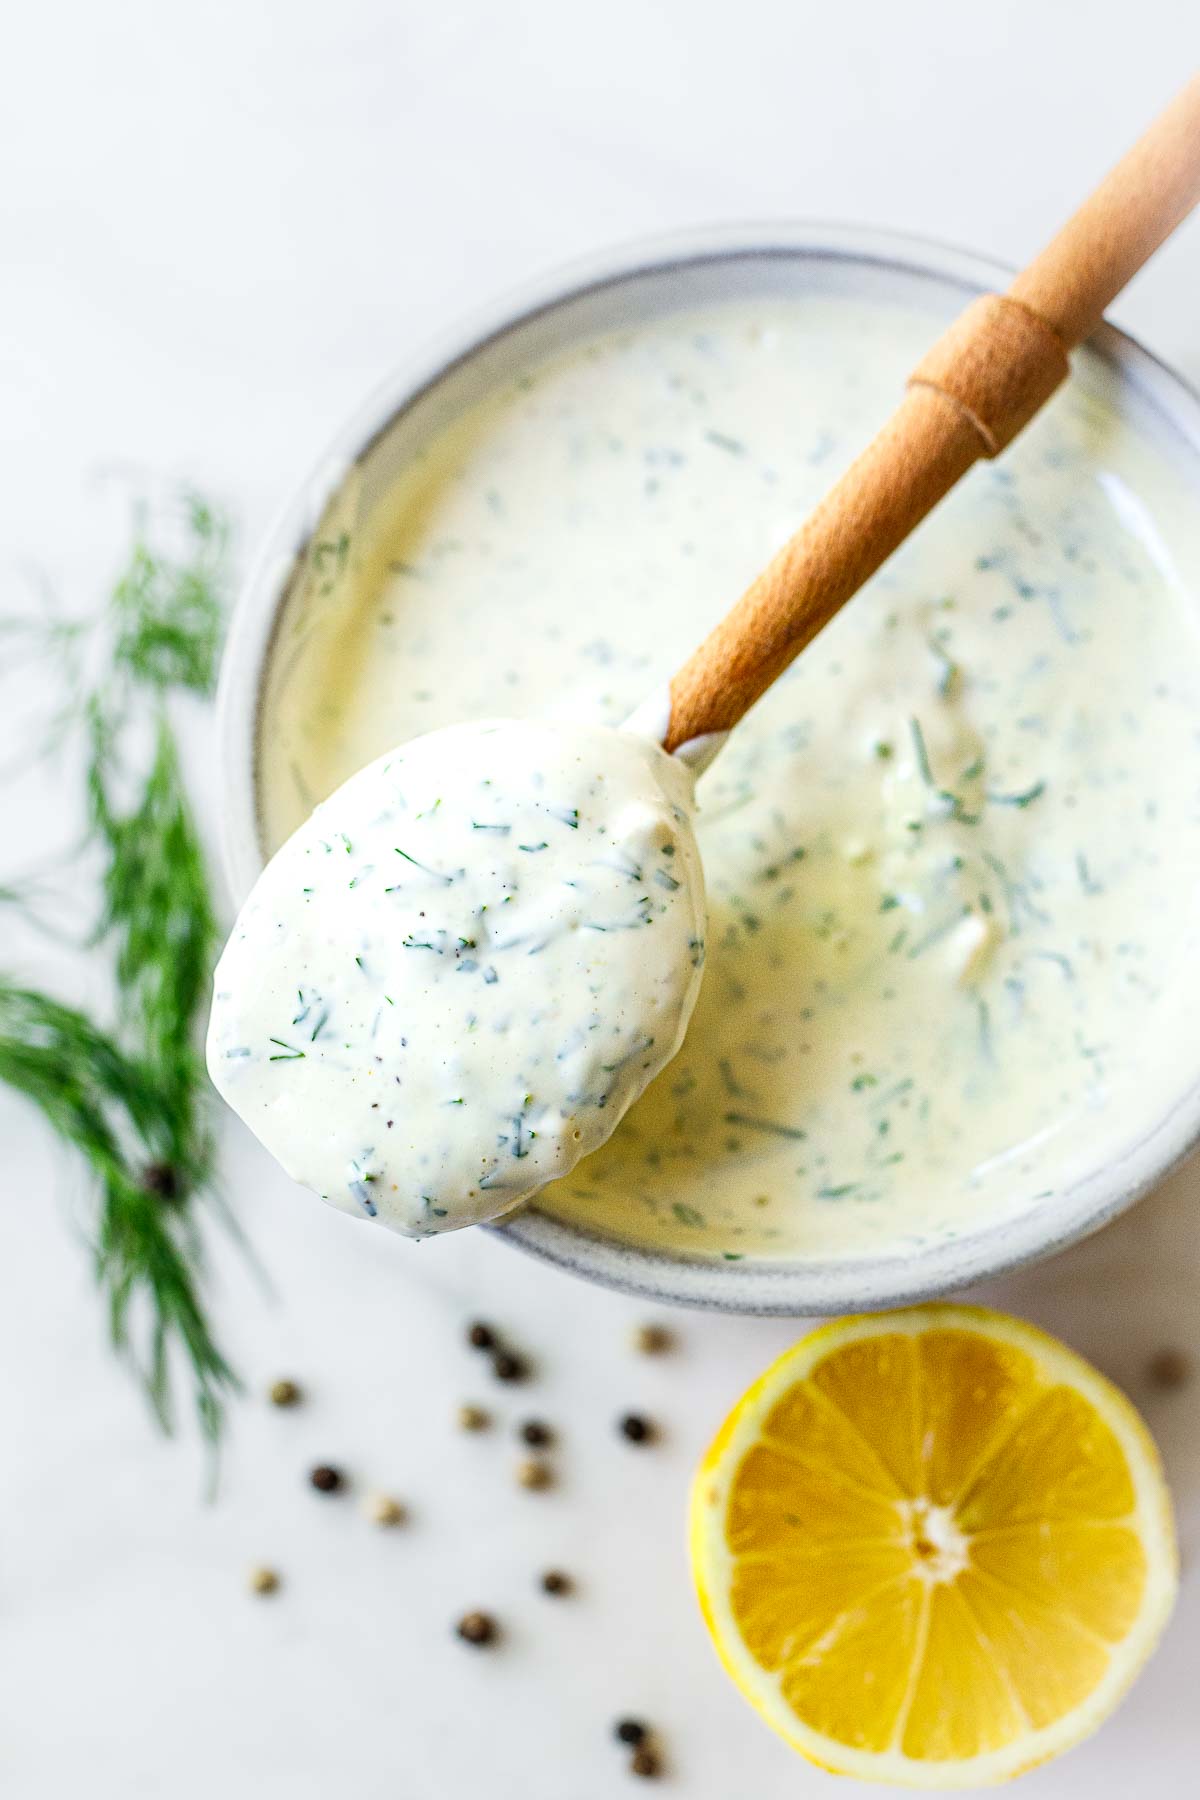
{"x": 619, "y": 288}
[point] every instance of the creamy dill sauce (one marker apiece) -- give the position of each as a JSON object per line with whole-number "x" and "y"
{"x": 951, "y": 859}
{"x": 453, "y": 980}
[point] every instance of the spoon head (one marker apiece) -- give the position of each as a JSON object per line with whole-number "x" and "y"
{"x": 451, "y": 983}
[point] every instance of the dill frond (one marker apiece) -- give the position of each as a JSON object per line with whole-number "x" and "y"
{"x": 169, "y": 611}
{"x": 157, "y": 916}
{"x": 131, "y": 1100}
{"x": 108, "y": 1107}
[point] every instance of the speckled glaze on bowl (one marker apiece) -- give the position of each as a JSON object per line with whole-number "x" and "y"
{"x": 620, "y": 288}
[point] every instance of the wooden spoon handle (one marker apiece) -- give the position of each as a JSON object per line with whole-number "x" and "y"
{"x": 968, "y": 398}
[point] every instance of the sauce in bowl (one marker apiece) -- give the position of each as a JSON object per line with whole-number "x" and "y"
{"x": 952, "y": 858}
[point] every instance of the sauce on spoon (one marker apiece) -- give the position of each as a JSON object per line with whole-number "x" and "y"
{"x": 451, "y": 983}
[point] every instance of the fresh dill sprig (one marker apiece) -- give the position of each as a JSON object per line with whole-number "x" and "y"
{"x": 157, "y": 916}
{"x": 130, "y": 1100}
{"x": 108, "y": 1106}
{"x": 168, "y": 612}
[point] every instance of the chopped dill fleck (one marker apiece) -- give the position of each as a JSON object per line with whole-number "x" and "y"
{"x": 769, "y": 1125}
{"x": 1087, "y": 880}
{"x": 949, "y": 668}
{"x": 1022, "y": 800}
{"x": 436, "y": 874}
{"x": 774, "y": 870}
{"x": 922, "y": 754}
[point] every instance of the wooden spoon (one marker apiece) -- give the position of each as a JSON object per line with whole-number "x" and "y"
{"x": 978, "y": 386}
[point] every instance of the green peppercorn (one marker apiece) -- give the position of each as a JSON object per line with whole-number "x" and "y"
{"x": 534, "y": 1474}
{"x": 653, "y": 1340}
{"x": 645, "y": 1762}
{"x": 473, "y": 1418}
{"x": 284, "y": 1393}
{"x": 382, "y": 1509}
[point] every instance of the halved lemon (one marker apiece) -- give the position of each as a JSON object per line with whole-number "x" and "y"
{"x": 933, "y": 1547}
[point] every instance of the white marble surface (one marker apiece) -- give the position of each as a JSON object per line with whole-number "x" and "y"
{"x": 219, "y": 226}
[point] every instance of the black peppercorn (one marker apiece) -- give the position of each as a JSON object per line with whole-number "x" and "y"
{"x": 481, "y": 1336}
{"x": 555, "y": 1582}
{"x": 326, "y": 1479}
{"x": 636, "y": 1429}
{"x": 508, "y": 1367}
{"x": 630, "y": 1731}
{"x": 1169, "y": 1369}
{"x": 537, "y": 1435}
{"x": 161, "y": 1179}
{"x": 477, "y": 1628}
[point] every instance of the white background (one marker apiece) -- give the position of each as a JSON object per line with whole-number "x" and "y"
{"x": 219, "y": 225}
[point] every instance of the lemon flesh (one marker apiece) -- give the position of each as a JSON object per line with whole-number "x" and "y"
{"x": 933, "y": 1547}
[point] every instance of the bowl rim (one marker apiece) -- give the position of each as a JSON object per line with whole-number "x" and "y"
{"x": 792, "y": 1287}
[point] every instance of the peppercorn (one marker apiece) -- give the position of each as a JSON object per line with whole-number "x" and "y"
{"x": 631, "y": 1731}
{"x": 326, "y": 1479}
{"x": 481, "y": 1336}
{"x": 536, "y": 1434}
{"x": 284, "y": 1393}
{"x": 555, "y": 1582}
{"x": 637, "y": 1429}
{"x": 477, "y": 1628}
{"x": 644, "y": 1762}
{"x": 534, "y": 1474}
{"x": 652, "y": 1340}
{"x": 381, "y": 1509}
{"x": 263, "y": 1580}
{"x": 473, "y": 1418}
{"x": 161, "y": 1179}
{"x": 506, "y": 1366}
{"x": 1169, "y": 1369}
